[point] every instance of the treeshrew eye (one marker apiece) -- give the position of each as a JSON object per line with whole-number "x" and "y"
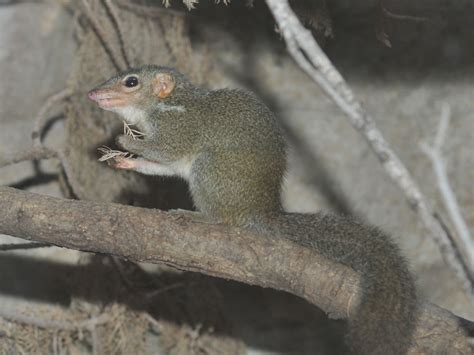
{"x": 131, "y": 81}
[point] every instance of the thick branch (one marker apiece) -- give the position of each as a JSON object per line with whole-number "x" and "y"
{"x": 309, "y": 56}
{"x": 145, "y": 235}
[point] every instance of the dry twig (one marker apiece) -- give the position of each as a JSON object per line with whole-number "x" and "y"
{"x": 109, "y": 153}
{"x": 114, "y": 18}
{"x": 434, "y": 153}
{"x": 33, "y": 153}
{"x": 400, "y": 17}
{"x": 40, "y": 152}
{"x": 309, "y": 56}
{"x": 383, "y": 14}
{"x": 41, "y": 120}
{"x": 101, "y": 35}
{"x": 129, "y": 131}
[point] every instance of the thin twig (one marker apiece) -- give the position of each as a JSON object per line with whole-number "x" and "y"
{"x": 380, "y": 32}
{"x": 41, "y": 120}
{"x": 16, "y": 317}
{"x": 400, "y": 17}
{"x": 434, "y": 153}
{"x": 76, "y": 187}
{"x": 33, "y": 153}
{"x": 115, "y": 19}
{"x": 383, "y": 14}
{"x": 132, "y": 132}
{"x": 109, "y": 153}
{"x": 309, "y": 56}
{"x": 100, "y": 33}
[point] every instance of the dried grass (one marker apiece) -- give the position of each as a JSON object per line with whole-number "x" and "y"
{"x": 124, "y": 333}
{"x": 109, "y": 153}
{"x": 134, "y": 133}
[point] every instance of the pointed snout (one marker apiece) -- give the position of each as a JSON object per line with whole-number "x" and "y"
{"x": 107, "y": 98}
{"x": 99, "y": 94}
{"x": 92, "y": 95}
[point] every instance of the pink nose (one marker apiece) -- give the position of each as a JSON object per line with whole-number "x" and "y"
{"x": 92, "y": 95}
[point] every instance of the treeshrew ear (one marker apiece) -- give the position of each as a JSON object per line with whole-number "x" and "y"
{"x": 164, "y": 85}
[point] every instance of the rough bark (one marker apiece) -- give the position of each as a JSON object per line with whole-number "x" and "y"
{"x": 147, "y": 235}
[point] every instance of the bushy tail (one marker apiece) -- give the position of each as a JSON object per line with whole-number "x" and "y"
{"x": 385, "y": 319}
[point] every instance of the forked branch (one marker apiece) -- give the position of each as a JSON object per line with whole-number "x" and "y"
{"x": 309, "y": 56}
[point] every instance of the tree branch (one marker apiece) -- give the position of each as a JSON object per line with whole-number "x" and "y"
{"x": 101, "y": 35}
{"x": 309, "y": 56}
{"x": 115, "y": 20}
{"x": 435, "y": 154}
{"x": 41, "y": 120}
{"x": 146, "y": 235}
{"x": 33, "y": 153}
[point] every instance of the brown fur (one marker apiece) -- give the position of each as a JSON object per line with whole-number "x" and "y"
{"x": 229, "y": 147}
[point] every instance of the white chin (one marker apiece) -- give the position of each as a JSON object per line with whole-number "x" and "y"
{"x": 131, "y": 115}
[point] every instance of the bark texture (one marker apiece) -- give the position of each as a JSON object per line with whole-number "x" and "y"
{"x": 147, "y": 235}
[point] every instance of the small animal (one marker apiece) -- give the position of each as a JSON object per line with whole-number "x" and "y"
{"x": 230, "y": 149}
